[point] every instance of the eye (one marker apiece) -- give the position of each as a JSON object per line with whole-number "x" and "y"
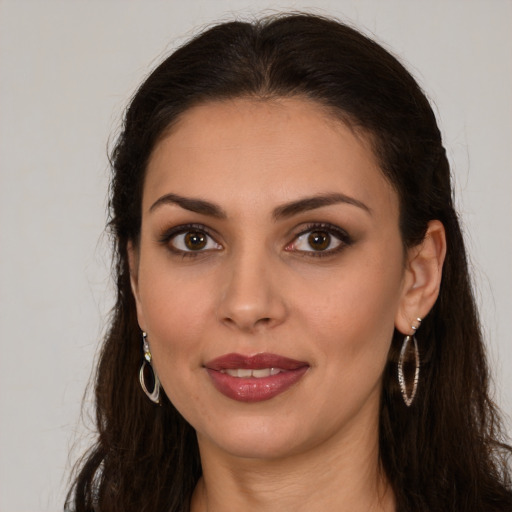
{"x": 320, "y": 240}
{"x": 190, "y": 240}
{"x": 316, "y": 241}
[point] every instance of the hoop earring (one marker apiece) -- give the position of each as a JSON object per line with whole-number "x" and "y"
{"x": 147, "y": 373}
{"x": 408, "y": 355}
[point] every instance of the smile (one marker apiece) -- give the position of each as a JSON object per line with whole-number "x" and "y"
{"x": 254, "y": 378}
{"x": 248, "y": 373}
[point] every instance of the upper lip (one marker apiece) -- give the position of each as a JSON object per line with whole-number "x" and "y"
{"x": 256, "y": 362}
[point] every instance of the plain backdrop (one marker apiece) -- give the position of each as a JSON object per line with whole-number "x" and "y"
{"x": 67, "y": 70}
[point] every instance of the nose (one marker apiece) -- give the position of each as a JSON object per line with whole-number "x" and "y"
{"x": 252, "y": 296}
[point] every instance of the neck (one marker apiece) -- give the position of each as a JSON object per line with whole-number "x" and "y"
{"x": 341, "y": 474}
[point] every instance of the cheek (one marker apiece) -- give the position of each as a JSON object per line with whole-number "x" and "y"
{"x": 175, "y": 310}
{"x": 354, "y": 319}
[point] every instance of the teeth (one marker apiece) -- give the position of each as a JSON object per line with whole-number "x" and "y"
{"x": 246, "y": 373}
{"x": 264, "y": 372}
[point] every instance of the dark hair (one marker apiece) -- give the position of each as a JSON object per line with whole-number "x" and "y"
{"x": 445, "y": 452}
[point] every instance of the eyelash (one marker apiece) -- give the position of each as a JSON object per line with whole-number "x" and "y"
{"x": 168, "y": 236}
{"x": 332, "y": 230}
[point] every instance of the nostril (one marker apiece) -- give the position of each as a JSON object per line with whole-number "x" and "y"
{"x": 248, "y": 323}
{"x": 247, "y": 305}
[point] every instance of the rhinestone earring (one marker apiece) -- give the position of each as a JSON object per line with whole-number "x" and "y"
{"x": 409, "y": 358}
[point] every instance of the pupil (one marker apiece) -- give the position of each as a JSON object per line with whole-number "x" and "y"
{"x": 319, "y": 240}
{"x": 195, "y": 240}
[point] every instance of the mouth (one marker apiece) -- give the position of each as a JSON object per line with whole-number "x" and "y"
{"x": 246, "y": 373}
{"x": 254, "y": 378}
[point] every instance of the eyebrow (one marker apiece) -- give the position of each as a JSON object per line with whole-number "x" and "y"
{"x": 314, "y": 202}
{"x": 281, "y": 212}
{"x": 194, "y": 205}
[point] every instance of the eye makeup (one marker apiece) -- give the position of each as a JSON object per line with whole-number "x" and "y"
{"x": 189, "y": 240}
{"x": 317, "y": 239}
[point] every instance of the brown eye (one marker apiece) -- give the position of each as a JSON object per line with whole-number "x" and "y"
{"x": 195, "y": 240}
{"x": 319, "y": 240}
{"x": 189, "y": 240}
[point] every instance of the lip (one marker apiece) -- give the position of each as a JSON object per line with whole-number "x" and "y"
{"x": 250, "y": 389}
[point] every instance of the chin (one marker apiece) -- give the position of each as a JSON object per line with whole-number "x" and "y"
{"x": 258, "y": 447}
{"x": 263, "y": 438}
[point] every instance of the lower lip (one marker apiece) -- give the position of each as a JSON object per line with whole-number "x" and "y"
{"x": 252, "y": 389}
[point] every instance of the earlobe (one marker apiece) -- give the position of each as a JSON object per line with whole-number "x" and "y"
{"x": 422, "y": 280}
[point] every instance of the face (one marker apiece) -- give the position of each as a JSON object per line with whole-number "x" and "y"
{"x": 268, "y": 275}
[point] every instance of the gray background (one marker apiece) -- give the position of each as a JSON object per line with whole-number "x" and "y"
{"x": 67, "y": 69}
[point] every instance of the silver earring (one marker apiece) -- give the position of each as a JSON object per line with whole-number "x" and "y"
{"x": 409, "y": 354}
{"x": 147, "y": 376}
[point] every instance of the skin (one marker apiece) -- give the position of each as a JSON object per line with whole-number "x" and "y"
{"x": 259, "y": 286}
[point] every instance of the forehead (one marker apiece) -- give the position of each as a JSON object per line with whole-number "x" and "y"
{"x": 261, "y": 151}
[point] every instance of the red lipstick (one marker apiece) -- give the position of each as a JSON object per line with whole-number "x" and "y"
{"x": 254, "y": 378}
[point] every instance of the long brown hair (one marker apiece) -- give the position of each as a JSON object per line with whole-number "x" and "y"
{"x": 446, "y": 451}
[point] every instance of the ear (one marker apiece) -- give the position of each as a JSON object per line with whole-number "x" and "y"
{"x": 133, "y": 263}
{"x": 422, "y": 279}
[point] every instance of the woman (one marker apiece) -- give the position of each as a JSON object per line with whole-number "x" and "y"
{"x": 283, "y": 221}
